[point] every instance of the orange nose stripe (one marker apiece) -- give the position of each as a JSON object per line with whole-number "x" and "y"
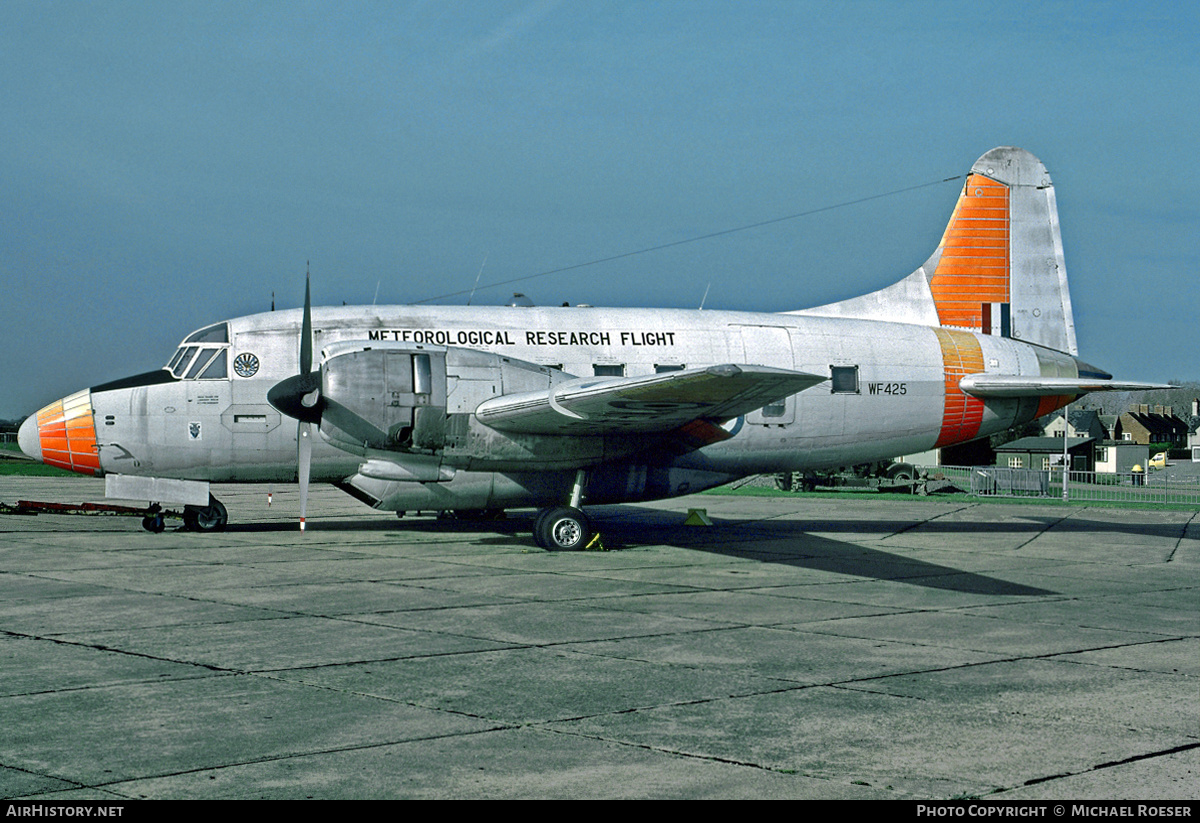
{"x": 67, "y": 432}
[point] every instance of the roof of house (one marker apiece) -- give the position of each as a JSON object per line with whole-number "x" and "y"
{"x": 1083, "y": 418}
{"x": 1159, "y": 425}
{"x": 1048, "y": 445}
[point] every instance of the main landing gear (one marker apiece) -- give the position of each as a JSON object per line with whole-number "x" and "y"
{"x": 564, "y": 528}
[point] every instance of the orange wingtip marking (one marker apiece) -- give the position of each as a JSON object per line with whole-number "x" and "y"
{"x": 1053, "y": 403}
{"x": 703, "y": 433}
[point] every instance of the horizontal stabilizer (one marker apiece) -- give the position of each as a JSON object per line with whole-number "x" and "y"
{"x": 643, "y": 405}
{"x": 998, "y": 385}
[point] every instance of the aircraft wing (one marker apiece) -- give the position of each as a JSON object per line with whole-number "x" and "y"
{"x": 1000, "y": 385}
{"x": 643, "y": 405}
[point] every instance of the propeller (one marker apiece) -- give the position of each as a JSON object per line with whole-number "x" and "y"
{"x": 299, "y": 396}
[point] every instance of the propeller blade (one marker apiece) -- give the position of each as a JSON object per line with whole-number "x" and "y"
{"x": 304, "y": 460}
{"x": 306, "y": 332}
{"x": 335, "y": 414}
{"x": 300, "y": 397}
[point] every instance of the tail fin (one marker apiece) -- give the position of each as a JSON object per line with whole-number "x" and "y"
{"x": 999, "y": 268}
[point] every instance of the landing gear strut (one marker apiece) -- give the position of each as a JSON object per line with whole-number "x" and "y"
{"x": 210, "y": 518}
{"x": 564, "y": 528}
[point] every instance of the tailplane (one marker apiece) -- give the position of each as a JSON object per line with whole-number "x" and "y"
{"x": 999, "y": 268}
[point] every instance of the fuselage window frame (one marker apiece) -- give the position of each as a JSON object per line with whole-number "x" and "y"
{"x": 843, "y": 380}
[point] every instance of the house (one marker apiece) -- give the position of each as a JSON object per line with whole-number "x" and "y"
{"x": 1080, "y": 423}
{"x": 1119, "y": 456}
{"x": 1193, "y": 430}
{"x": 1045, "y": 452}
{"x": 1144, "y": 426}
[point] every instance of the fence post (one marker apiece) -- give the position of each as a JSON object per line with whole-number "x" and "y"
{"x": 1066, "y": 452}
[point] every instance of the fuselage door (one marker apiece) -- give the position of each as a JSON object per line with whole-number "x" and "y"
{"x": 769, "y": 346}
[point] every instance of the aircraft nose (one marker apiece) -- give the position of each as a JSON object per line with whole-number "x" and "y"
{"x": 63, "y": 434}
{"x": 28, "y": 438}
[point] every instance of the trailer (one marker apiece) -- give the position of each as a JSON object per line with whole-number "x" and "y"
{"x": 154, "y": 516}
{"x": 886, "y": 476}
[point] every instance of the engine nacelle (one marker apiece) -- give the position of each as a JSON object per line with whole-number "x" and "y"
{"x": 388, "y": 396}
{"x": 400, "y": 397}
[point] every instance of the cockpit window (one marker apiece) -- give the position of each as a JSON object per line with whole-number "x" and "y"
{"x": 175, "y": 360}
{"x": 182, "y": 358}
{"x": 217, "y": 369}
{"x": 211, "y": 334}
{"x": 200, "y": 363}
{"x": 192, "y": 361}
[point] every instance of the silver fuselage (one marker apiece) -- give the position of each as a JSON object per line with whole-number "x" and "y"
{"x": 903, "y": 400}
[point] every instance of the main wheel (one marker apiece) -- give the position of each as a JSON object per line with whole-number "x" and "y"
{"x": 901, "y": 471}
{"x": 154, "y": 523}
{"x": 562, "y": 529}
{"x": 210, "y": 518}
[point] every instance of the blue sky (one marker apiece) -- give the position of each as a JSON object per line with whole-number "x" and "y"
{"x": 168, "y": 165}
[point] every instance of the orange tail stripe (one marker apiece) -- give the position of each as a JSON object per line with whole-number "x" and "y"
{"x": 962, "y": 414}
{"x": 974, "y": 264}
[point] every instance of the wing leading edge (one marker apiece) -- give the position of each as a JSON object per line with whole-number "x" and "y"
{"x": 633, "y": 405}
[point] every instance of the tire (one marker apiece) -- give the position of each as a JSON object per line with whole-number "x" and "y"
{"x": 211, "y": 518}
{"x": 562, "y": 529}
{"x": 154, "y": 524}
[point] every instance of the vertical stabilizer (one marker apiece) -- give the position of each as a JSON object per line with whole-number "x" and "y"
{"x": 999, "y": 268}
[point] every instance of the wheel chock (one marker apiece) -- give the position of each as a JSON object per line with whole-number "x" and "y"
{"x": 594, "y": 545}
{"x": 697, "y": 517}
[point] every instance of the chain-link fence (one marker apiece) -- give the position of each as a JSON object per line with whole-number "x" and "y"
{"x": 1081, "y": 487}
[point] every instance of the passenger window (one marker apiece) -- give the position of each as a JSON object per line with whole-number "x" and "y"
{"x": 776, "y": 409}
{"x": 844, "y": 379}
{"x": 609, "y": 369}
{"x": 660, "y": 368}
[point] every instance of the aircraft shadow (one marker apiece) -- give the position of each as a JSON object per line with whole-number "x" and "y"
{"x": 781, "y": 542}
